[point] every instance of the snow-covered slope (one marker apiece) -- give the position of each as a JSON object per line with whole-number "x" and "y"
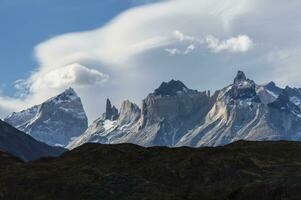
{"x": 55, "y": 121}
{"x": 245, "y": 116}
{"x": 174, "y": 115}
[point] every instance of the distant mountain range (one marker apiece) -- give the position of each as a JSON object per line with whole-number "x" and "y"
{"x": 173, "y": 115}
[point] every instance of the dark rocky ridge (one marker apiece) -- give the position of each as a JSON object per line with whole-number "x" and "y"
{"x": 283, "y": 103}
{"x": 240, "y": 171}
{"x": 24, "y": 146}
{"x": 273, "y": 87}
{"x": 172, "y": 88}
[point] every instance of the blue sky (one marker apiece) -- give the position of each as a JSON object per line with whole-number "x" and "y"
{"x": 124, "y": 49}
{"x": 24, "y": 24}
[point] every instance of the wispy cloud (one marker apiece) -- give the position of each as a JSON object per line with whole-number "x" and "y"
{"x": 241, "y": 43}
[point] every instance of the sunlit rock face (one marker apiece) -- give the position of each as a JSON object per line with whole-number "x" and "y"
{"x": 240, "y": 113}
{"x": 166, "y": 117}
{"x": 54, "y": 122}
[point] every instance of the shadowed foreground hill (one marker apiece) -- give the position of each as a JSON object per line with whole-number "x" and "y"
{"x": 242, "y": 170}
{"x": 24, "y": 146}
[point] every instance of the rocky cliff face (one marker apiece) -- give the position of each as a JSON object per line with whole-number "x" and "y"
{"x": 129, "y": 113}
{"x": 174, "y": 115}
{"x": 247, "y": 117}
{"x": 98, "y": 130}
{"x": 55, "y": 121}
{"x": 235, "y": 113}
{"x": 111, "y": 111}
{"x": 268, "y": 92}
{"x": 24, "y": 146}
{"x": 164, "y": 118}
{"x": 243, "y": 88}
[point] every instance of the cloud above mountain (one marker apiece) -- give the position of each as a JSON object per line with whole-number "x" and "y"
{"x": 202, "y": 42}
{"x": 74, "y": 74}
{"x": 241, "y": 43}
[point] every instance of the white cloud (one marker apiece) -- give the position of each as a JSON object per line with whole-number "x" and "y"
{"x": 44, "y": 84}
{"x": 241, "y": 43}
{"x": 176, "y": 51}
{"x": 173, "y": 51}
{"x": 189, "y": 49}
{"x": 139, "y": 30}
{"x": 74, "y": 74}
{"x": 182, "y": 37}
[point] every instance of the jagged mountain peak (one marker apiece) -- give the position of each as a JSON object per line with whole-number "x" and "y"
{"x": 111, "y": 111}
{"x": 292, "y": 90}
{"x": 66, "y": 96}
{"x": 128, "y": 104}
{"x": 270, "y": 84}
{"x": 241, "y": 79}
{"x": 129, "y": 112}
{"x": 284, "y": 103}
{"x": 172, "y": 88}
{"x": 243, "y": 88}
{"x": 240, "y": 76}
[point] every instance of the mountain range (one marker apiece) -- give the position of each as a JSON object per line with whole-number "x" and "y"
{"x": 172, "y": 115}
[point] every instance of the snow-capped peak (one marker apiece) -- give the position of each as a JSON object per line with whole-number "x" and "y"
{"x": 66, "y": 96}
{"x": 55, "y": 121}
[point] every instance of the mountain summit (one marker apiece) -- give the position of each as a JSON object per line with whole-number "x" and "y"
{"x": 242, "y": 87}
{"x": 111, "y": 111}
{"x": 55, "y": 122}
{"x": 171, "y": 88}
